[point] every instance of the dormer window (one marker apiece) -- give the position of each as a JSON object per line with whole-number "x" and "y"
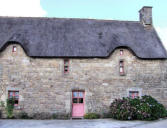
{"x": 66, "y": 66}
{"x": 14, "y": 49}
{"x": 121, "y": 52}
{"x": 121, "y": 67}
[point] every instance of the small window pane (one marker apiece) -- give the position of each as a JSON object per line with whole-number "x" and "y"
{"x": 14, "y": 48}
{"x": 80, "y": 100}
{"x": 74, "y": 100}
{"x": 121, "y": 63}
{"x": 80, "y": 94}
{"x": 10, "y": 93}
{"x": 10, "y": 96}
{"x": 66, "y": 68}
{"x": 121, "y": 69}
{"x": 75, "y": 94}
{"x": 133, "y": 94}
{"x": 16, "y": 101}
{"x": 16, "y": 93}
{"x": 17, "y": 97}
{"x": 66, "y": 62}
{"x": 121, "y": 52}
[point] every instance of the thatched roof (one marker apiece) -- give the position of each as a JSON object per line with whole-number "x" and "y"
{"x": 59, "y": 37}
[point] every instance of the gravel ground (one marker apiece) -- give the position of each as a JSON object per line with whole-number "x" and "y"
{"x": 99, "y": 123}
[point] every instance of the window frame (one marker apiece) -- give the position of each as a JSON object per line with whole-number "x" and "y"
{"x": 121, "y": 52}
{"x": 78, "y": 97}
{"x": 14, "y": 48}
{"x": 66, "y": 65}
{"x": 14, "y": 96}
{"x": 134, "y": 95}
{"x": 121, "y": 67}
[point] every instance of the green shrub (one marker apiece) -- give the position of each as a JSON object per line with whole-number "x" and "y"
{"x": 106, "y": 115}
{"x": 2, "y": 104}
{"x": 63, "y": 116}
{"x": 54, "y": 116}
{"x": 23, "y": 115}
{"x": 9, "y": 108}
{"x": 144, "y": 108}
{"x": 42, "y": 116}
{"x": 91, "y": 116}
{"x": 46, "y": 115}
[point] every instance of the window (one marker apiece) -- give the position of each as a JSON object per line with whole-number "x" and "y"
{"x": 78, "y": 97}
{"x": 133, "y": 94}
{"x": 66, "y": 66}
{"x": 15, "y": 95}
{"x": 14, "y": 49}
{"x": 121, "y": 52}
{"x": 121, "y": 67}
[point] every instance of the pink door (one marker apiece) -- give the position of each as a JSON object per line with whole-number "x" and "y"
{"x": 77, "y": 104}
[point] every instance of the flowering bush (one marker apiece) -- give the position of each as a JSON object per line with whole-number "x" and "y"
{"x": 144, "y": 108}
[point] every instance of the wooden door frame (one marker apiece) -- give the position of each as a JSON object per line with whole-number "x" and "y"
{"x": 76, "y": 90}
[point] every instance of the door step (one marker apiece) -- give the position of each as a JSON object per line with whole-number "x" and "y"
{"x": 77, "y": 118}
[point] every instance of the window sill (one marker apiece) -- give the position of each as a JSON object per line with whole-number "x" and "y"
{"x": 17, "y": 108}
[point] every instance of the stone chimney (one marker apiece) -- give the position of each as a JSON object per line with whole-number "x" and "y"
{"x": 146, "y": 15}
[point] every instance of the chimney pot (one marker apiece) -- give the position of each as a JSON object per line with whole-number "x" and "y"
{"x": 146, "y": 15}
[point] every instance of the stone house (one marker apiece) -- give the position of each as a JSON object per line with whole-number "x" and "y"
{"x": 75, "y": 66}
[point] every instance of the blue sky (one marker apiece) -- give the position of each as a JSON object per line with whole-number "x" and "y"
{"x": 106, "y": 9}
{"x": 96, "y": 9}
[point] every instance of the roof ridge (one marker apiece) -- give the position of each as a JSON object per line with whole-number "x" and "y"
{"x": 69, "y": 18}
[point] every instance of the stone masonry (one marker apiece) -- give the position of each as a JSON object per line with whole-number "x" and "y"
{"x": 43, "y": 86}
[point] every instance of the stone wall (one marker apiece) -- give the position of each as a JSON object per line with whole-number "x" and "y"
{"x": 43, "y": 86}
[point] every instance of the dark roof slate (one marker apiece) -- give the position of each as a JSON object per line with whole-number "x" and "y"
{"x": 59, "y": 37}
